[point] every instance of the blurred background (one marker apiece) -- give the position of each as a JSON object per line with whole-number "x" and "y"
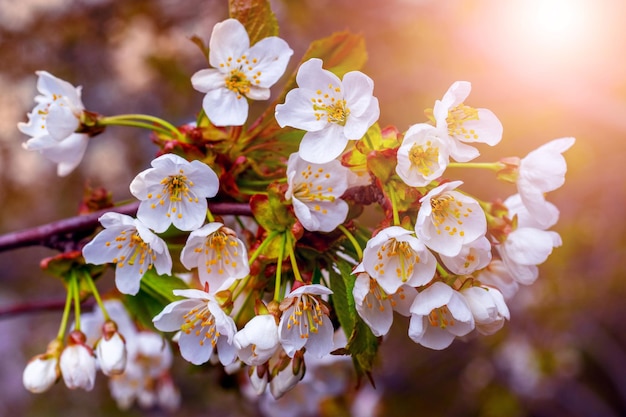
{"x": 546, "y": 68}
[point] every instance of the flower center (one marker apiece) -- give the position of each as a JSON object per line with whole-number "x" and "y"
{"x": 132, "y": 250}
{"x": 441, "y": 317}
{"x": 307, "y": 315}
{"x": 238, "y": 82}
{"x": 200, "y": 321}
{"x": 333, "y": 109}
{"x": 399, "y": 255}
{"x": 424, "y": 158}
{"x": 447, "y": 212}
{"x": 312, "y": 188}
{"x": 175, "y": 189}
{"x": 457, "y": 116}
{"x": 220, "y": 248}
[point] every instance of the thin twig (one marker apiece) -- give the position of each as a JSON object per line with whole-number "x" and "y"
{"x": 37, "y": 307}
{"x": 63, "y": 233}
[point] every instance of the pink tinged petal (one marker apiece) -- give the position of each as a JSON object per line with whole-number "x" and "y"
{"x": 323, "y": 146}
{"x": 229, "y": 39}
{"x": 298, "y": 112}
{"x": 225, "y": 108}
{"x": 207, "y": 80}
{"x": 61, "y": 121}
{"x": 272, "y": 56}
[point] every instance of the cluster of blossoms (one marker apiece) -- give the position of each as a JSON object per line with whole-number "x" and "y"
{"x": 445, "y": 259}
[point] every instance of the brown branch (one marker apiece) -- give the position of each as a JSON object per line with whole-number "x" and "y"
{"x": 64, "y": 234}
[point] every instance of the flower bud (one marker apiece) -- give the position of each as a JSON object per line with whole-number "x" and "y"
{"x": 43, "y": 370}
{"x": 258, "y": 378}
{"x": 111, "y": 350}
{"x": 288, "y": 377}
{"x": 78, "y": 364}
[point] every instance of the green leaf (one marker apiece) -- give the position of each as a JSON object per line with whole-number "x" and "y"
{"x": 271, "y": 212}
{"x": 341, "y": 52}
{"x": 256, "y": 16}
{"x": 155, "y": 292}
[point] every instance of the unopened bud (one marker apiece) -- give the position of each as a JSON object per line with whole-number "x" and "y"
{"x": 111, "y": 350}
{"x": 43, "y": 370}
{"x": 77, "y": 363}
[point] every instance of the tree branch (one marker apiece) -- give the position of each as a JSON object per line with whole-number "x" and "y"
{"x": 65, "y": 234}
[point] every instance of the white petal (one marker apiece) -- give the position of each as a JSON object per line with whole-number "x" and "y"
{"x": 229, "y": 39}
{"x": 224, "y": 108}
{"x": 323, "y": 146}
{"x": 207, "y": 80}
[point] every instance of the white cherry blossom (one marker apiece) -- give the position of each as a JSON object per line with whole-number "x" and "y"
{"x": 465, "y": 125}
{"x": 543, "y": 220}
{"x": 541, "y": 171}
{"x": 376, "y": 307}
{"x": 239, "y": 71}
{"x": 221, "y": 257}
{"x": 448, "y": 219}
{"x": 305, "y": 321}
{"x": 78, "y": 363}
{"x": 174, "y": 191}
{"x": 395, "y": 257}
{"x": 438, "y": 315}
{"x": 132, "y": 247}
{"x": 203, "y": 325}
{"x": 497, "y": 275}
{"x": 473, "y": 256}
{"x": 423, "y": 155}
{"x": 488, "y": 307}
{"x": 331, "y": 111}
{"x": 53, "y": 122}
{"x": 315, "y": 191}
{"x": 43, "y": 371}
{"x": 257, "y": 342}
{"x": 111, "y": 350}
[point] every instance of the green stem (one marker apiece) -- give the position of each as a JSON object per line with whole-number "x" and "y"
{"x": 352, "y": 240}
{"x": 66, "y": 311}
{"x": 76, "y": 301}
{"x": 494, "y": 166}
{"x": 125, "y": 119}
{"x": 444, "y": 274}
{"x": 96, "y": 295}
{"x": 279, "y": 269}
{"x": 139, "y": 125}
{"x": 394, "y": 206}
{"x": 209, "y": 216}
{"x": 243, "y": 307}
{"x": 292, "y": 257}
{"x": 262, "y": 247}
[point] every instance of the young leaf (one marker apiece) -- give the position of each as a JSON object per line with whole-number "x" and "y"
{"x": 256, "y": 16}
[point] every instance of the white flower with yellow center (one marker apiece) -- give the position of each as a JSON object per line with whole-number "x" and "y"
{"x": 257, "y": 342}
{"x": 221, "y": 257}
{"x": 395, "y": 257}
{"x": 423, "y": 155}
{"x": 488, "y": 307}
{"x": 305, "y": 322}
{"x": 204, "y": 327}
{"x": 174, "y": 191}
{"x": 438, "y": 315}
{"x": 448, "y": 219}
{"x": 376, "y": 307}
{"x": 332, "y": 111}
{"x": 53, "y": 122}
{"x": 132, "y": 247}
{"x": 473, "y": 256}
{"x": 315, "y": 191}
{"x": 465, "y": 124}
{"x": 239, "y": 71}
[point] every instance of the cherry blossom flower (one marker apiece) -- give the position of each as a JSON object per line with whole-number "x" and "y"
{"x": 53, "y": 122}
{"x": 448, "y": 219}
{"x": 438, "y": 315}
{"x": 174, "y": 191}
{"x": 423, "y": 155}
{"x": 541, "y": 171}
{"x": 305, "y": 321}
{"x": 111, "y": 350}
{"x": 395, "y": 257}
{"x": 497, "y": 275}
{"x": 204, "y": 327}
{"x": 132, "y": 247}
{"x": 43, "y": 370}
{"x": 543, "y": 220}
{"x": 330, "y": 110}
{"x": 315, "y": 191}
{"x": 488, "y": 308}
{"x": 221, "y": 257}
{"x": 465, "y": 124}
{"x": 473, "y": 256}
{"x": 78, "y": 363}
{"x": 376, "y": 307}
{"x": 257, "y": 342}
{"x": 239, "y": 71}
{"x": 288, "y": 376}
